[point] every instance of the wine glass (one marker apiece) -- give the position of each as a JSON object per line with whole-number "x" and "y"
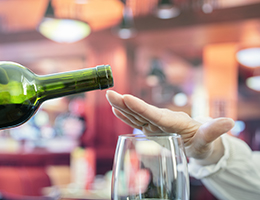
{"x": 150, "y": 167}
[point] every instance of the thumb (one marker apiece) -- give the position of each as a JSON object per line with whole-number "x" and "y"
{"x": 202, "y": 144}
{"x": 214, "y": 128}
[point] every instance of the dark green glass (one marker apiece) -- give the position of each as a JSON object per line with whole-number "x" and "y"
{"x": 22, "y": 91}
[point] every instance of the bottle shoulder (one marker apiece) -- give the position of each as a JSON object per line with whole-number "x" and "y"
{"x": 17, "y": 85}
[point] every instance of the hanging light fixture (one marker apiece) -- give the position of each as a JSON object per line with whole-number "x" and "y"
{"x": 253, "y": 83}
{"x": 167, "y": 9}
{"x": 62, "y": 30}
{"x": 249, "y": 57}
{"x": 156, "y": 74}
{"x": 126, "y": 28}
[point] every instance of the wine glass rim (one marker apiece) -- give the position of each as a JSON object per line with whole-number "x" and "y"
{"x": 151, "y": 135}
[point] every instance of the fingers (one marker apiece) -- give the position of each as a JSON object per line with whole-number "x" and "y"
{"x": 162, "y": 120}
{"x": 129, "y": 118}
{"x": 122, "y": 117}
{"x": 116, "y": 100}
{"x": 146, "y": 127}
{"x": 134, "y": 116}
{"x": 123, "y": 112}
{"x": 142, "y": 109}
{"x": 129, "y": 104}
{"x": 165, "y": 119}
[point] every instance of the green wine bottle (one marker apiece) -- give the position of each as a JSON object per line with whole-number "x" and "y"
{"x": 22, "y": 91}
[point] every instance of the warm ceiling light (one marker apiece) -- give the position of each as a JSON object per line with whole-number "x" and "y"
{"x": 253, "y": 83}
{"x": 62, "y": 30}
{"x": 166, "y": 10}
{"x": 249, "y": 57}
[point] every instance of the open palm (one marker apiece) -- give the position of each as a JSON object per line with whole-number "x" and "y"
{"x": 198, "y": 138}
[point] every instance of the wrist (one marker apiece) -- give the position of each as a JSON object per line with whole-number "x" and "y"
{"x": 217, "y": 152}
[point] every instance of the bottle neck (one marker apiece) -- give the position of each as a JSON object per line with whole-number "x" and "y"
{"x": 67, "y": 83}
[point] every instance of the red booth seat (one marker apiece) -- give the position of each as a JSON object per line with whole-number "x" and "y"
{"x": 23, "y": 180}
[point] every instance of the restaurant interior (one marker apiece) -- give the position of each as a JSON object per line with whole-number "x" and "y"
{"x": 184, "y": 55}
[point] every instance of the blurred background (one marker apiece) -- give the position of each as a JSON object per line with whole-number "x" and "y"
{"x": 197, "y": 56}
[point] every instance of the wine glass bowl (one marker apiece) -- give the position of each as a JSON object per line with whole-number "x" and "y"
{"x": 150, "y": 167}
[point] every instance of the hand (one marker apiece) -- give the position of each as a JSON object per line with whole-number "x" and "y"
{"x": 201, "y": 141}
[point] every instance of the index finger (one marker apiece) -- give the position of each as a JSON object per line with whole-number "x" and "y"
{"x": 116, "y": 100}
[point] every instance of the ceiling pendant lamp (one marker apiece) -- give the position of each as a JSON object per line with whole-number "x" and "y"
{"x": 167, "y": 9}
{"x": 253, "y": 83}
{"x": 249, "y": 57}
{"x": 62, "y": 30}
{"x": 126, "y": 28}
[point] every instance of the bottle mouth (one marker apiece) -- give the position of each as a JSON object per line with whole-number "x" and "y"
{"x": 105, "y": 76}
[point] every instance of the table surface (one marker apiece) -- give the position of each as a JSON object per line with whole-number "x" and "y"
{"x": 67, "y": 193}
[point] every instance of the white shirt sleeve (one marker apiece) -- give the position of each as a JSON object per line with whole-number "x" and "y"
{"x": 237, "y": 174}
